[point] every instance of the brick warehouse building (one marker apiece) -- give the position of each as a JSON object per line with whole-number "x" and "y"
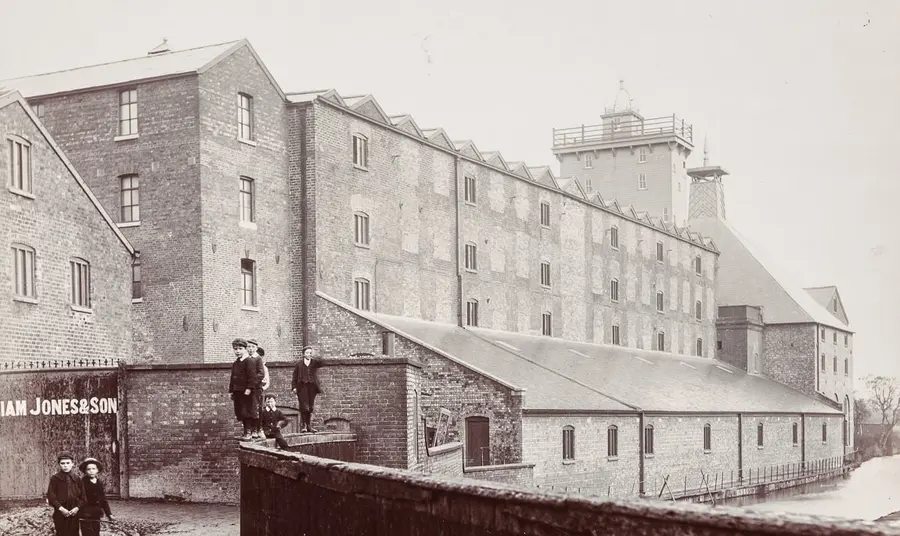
{"x": 287, "y": 206}
{"x": 65, "y": 296}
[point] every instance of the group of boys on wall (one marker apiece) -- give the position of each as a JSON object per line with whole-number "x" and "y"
{"x": 250, "y": 377}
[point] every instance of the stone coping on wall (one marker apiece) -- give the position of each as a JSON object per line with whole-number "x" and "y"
{"x": 328, "y": 361}
{"x": 445, "y": 448}
{"x": 440, "y": 496}
{"x": 501, "y": 467}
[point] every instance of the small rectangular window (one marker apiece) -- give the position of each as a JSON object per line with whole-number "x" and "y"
{"x": 568, "y": 443}
{"x": 834, "y": 365}
{"x": 718, "y": 345}
{"x": 698, "y": 310}
{"x": 795, "y": 432}
{"x": 661, "y": 341}
{"x": 20, "y": 165}
{"x": 137, "y": 290}
{"x": 81, "y": 283}
{"x": 824, "y": 432}
{"x": 666, "y": 214}
{"x": 470, "y": 190}
{"x": 38, "y": 109}
{"x": 707, "y": 437}
{"x": 130, "y": 199}
{"x": 823, "y": 334}
{"x": 614, "y": 290}
{"x": 834, "y": 337}
{"x": 245, "y": 117}
{"x": 659, "y": 252}
{"x": 648, "y": 439}
{"x": 128, "y": 120}
{"x": 588, "y": 161}
{"x": 846, "y": 367}
{"x": 642, "y": 181}
{"x": 699, "y": 347}
{"x": 248, "y": 283}
{"x": 614, "y": 237}
{"x": 471, "y": 260}
{"x": 545, "y": 274}
{"x": 589, "y": 184}
{"x": 698, "y": 265}
{"x": 361, "y": 293}
{"x": 360, "y": 151}
{"x": 759, "y": 435}
{"x": 23, "y": 271}
{"x": 612, "y": 441}
{"x": 822, "y": 360}
{"x": 361, "y": 229}
{"x": 615, "y": 335}
{"x": 642, "y": 155}
{"x": 248, "y": 203}
{"x": 661, "y": 301}
{"x": 846, "y": 340}
{"x": 472, "y": 313}
{"x": 545, "y": 214}
{"x": 546, "y": 324}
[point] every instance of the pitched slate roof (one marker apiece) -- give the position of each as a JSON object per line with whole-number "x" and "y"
{"x": 193, "y": 60}
{"x": 564, "y": 375}
{"x": 747, "y": 276}
{"x": 10, "y": 97}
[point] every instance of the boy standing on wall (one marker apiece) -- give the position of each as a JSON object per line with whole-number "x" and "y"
{"x": 305, "y": 384}
{"x": 246, "y": 380}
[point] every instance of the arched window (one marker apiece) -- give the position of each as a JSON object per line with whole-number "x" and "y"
{"x": 547, "y": 323}
{"x": 81, "y": 282}
{"x": 648, "y": 439}
{"x": 361, "y": 293}
{"x": 361, "y": 229}
{"x": 23, "y": 271}
{"x": 707, "y": 437}
{"x": 568, "y": 442}
{"x": 612, "y": 441}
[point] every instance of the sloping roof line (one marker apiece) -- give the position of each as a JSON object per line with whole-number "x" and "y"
{"x": 15, "y": 97}
{"x": 376, "y": 321}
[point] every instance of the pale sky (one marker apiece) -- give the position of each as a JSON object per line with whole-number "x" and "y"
{"x": 800, "y": 99}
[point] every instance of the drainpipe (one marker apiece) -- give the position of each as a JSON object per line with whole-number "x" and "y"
{"x": 459, "y": 279}
{"x": 816, "y": 366}
{"x": 803, "y": 436}
{"x": 641, "y": 452}
{"x": 740, "y": 447}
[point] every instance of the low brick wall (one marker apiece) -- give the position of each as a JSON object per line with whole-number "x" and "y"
{"x": 518, "y": 474}
{"x": 445, "y": 460}
{"x": 284, "y": 493}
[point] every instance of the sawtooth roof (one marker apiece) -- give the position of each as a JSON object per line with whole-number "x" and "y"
{"x": 747, "y": 276}
{"x": 557, "y": 374}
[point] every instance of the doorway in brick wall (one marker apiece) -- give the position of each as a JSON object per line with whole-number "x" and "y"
{"x": 478, "y": 441}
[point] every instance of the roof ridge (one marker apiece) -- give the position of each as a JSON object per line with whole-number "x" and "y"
{"x": 124, "y": 61}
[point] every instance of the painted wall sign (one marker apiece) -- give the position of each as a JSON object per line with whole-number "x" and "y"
{"x": 59, "y": 406}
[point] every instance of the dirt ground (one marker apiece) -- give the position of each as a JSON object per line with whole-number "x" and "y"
{"x": 130, "y": 518}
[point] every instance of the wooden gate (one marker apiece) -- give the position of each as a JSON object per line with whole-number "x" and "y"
{"x": 43, "y": 413}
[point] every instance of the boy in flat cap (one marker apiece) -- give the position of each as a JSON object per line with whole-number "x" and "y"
{"x": 95, "y": 503}
{"x": 246, "y": 376}
{"x": 305, "y": 384}
{"x": 257, "y": 353}
{"x": 65, "y": 495}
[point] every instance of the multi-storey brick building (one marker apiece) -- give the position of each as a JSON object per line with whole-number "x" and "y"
{"x": 65, "y": 298}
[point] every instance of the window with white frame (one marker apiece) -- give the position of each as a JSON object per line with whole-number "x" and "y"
{"x": 361, "y": 229}
{"x": 545, "y": 274}
{"x": 129, "y": 199}
{"x": 469, "y": 190}
{"x": 137, "y": 289}
{"x": 128, "y": 120}
{"x": 472, "y": 312}
{"x": 612, "y": 441}
{"x": 642, "y": 155}
{"x": 659, "y": 252}
{"x": 568, "y": 443}
{"x": 20, "y": 165}
{"x": 245, "y": 116}
{"x": 471, "y": 258}
{"x": 614, "y": 237}
{"x": 360, "y": 151}
{"x": 248, "y": 200}
{"x": 614, "y": 290}
{"x": 248, "y": 283}
{"x": 616, "y": 338}
{"x": 588, "y": 161}
{"x": 81, "y": 282}
{"x": 648, "y": 439}
{"x": 23, "y": 271}
{"x": 546, "y": 323}
{"x": 660, "y": 301}
{"x": 545, "y": 214}
{"x": 361, "y": 293}
{"x": 642, "y": 181}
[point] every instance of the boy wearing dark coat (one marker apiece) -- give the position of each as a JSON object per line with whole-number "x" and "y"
{"x": 305, "y": 384}
{"x": 65, "y": 495}
{"x": 95, "y": 503}
{"x": 273, "y": 421}
{"x": 246, "y": 378}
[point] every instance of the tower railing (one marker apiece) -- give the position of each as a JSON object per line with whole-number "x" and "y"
{"x": 623, "y": 128}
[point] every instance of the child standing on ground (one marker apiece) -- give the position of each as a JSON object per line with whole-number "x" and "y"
{"x": 95, "y": 503}
{"x": 65, "y": 495}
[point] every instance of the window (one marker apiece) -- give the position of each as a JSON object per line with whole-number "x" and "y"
{"x": 834, "y": 364}
{"x": 846, "y": 340}
{"x": 38, "y": 109}
{"x": 846, "y": 367}
{"x": 248, "y": 283}
{"x": 659, "y": 252}
{"x": 612, "y": 441}
{"x": 128, "y": 123}
{"x": 822, "y": 364}
{"x": 478, "y": 442}
{"x": 361, "y": 229}
{"x": 665, "y": 214}
{"x": 545, "y": 214}
{"x": 81, "y": 283}
{"x": 661, "y": 341}
{"x": 707, "y": 437}
{"x": 472, "y": 313}
{"x": 615, "y": 335}
{"x": 718, "y": 345}
{"x": 823, "y": 334}
{"x": 698, "y": 265}
{"x": 137, "y": 291}
{"x": 471, "y": 261}
{"x": 23, "y": 271}
{"x": 130, "y": 199}
{"x": 360, "y": 151}
{"x": 20, "y": 165}
{"x": 614, "y": 290}
{"x": 699, "y": 347}
{"x": 589, "y": 184}
{"x": 698, "y": 310}
{"x": 361, "y": 293}
{"x": 648, "y": 440}
{"x": 824, "y": 432}
{"x": 588, "y": 161}
{"x": 642, "y": 181}
{"x": 660, "y": 301}
{"x": 545, "y": 274}
{"x": 614, "y": 237}
{"x": 470, "y": 190}
{"x": 642, "y": 155}
{"x": 547, "y": 324}
{"x": 795, "y": 434}
{"x": 245, "y": 116}
{"x": 568, "y": 442}
{"x": 248, "y": 205}
{"x": 759, "y": 435}
{"x": 834, "y": 305}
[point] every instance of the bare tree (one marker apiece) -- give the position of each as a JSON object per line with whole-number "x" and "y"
{"x": 884, "y": 401}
